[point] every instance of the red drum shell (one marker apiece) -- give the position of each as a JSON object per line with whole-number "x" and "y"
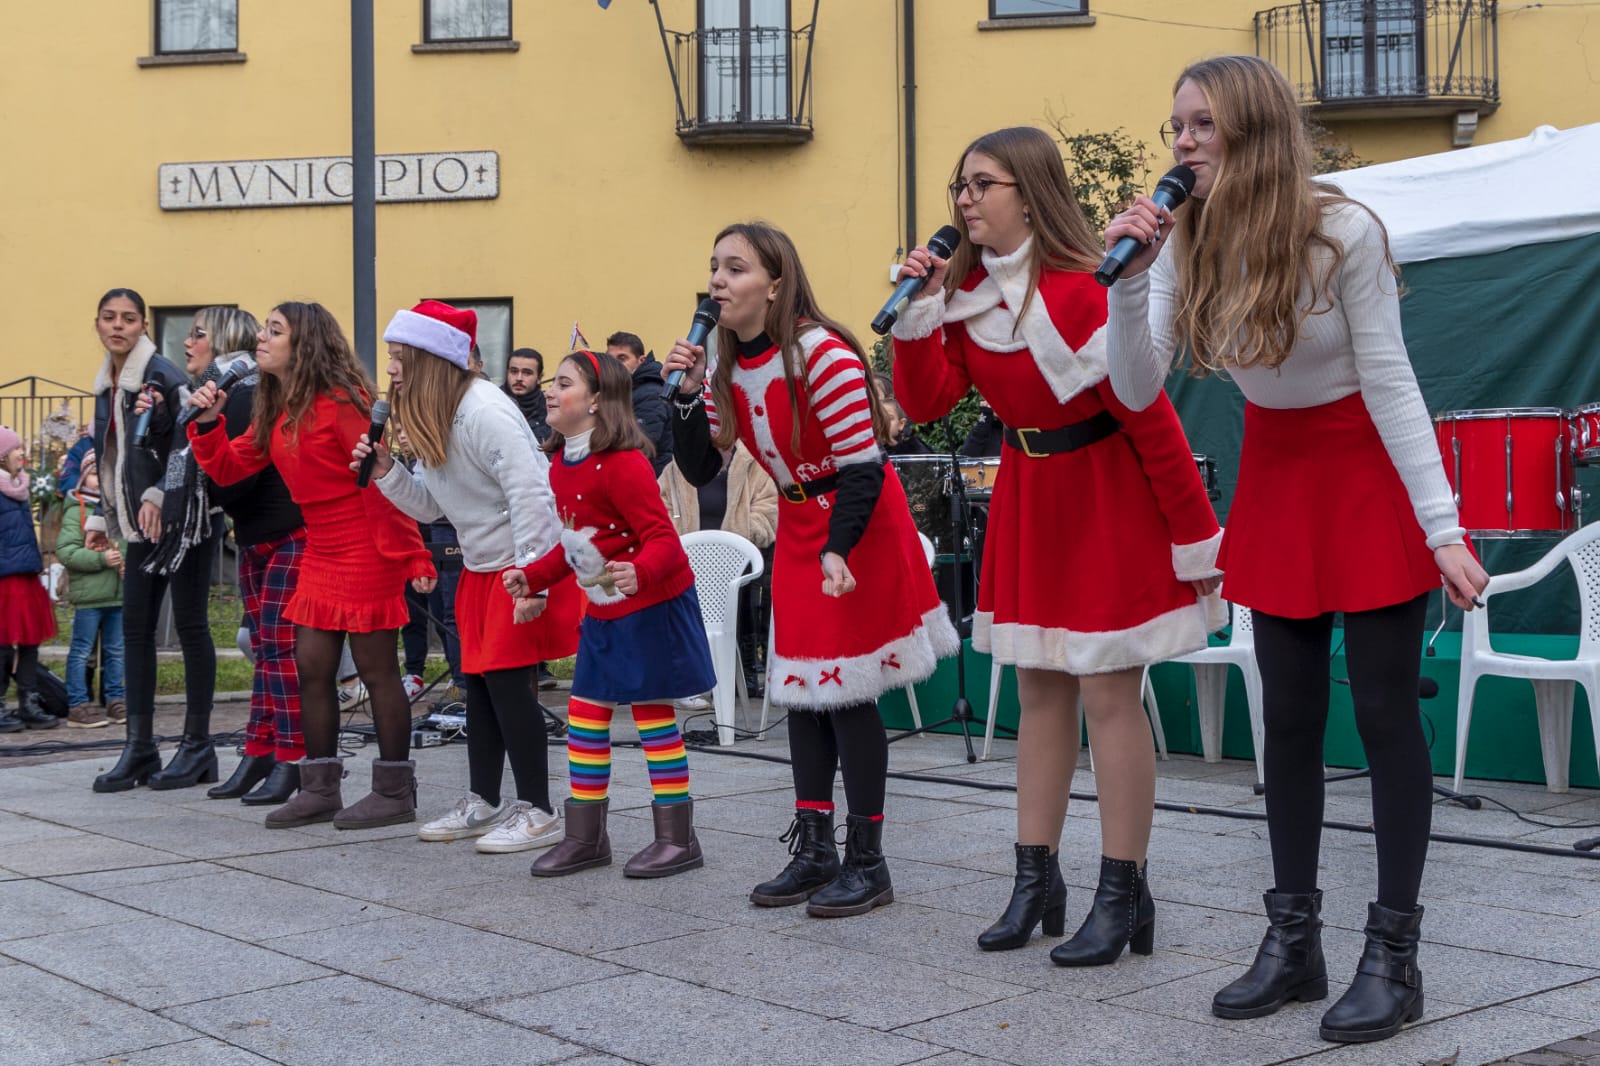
{"x": 1511, "y": 470}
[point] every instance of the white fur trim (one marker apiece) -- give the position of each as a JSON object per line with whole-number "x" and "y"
{"x": 827, "y": 684}
{"x": 1198, "y": 561}
{"x": 429, "y": 335}
{"x": 753, "y": 384}
{"x": 1163, "y": 637}
{"x": 921, "y": 318}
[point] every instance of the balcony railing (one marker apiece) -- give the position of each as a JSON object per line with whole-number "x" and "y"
{"x": 1349, "y": 58}
{"x": 741, "y": 85}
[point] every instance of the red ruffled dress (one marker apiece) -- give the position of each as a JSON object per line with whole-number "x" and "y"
{"x": 360, "y": 550}
{"x": 26, "y": 617}
{"x": 1088, "y": 554}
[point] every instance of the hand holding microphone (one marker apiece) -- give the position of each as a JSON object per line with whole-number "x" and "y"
{"x": 1132, "y": 239}
{"x": 241, "y": 368}
{"x": 206, "y": 403}
{"x": 689, "y": 353}
{"x": 144, "y": 407}
{"x": 915, "y": 276}
{"x": 370, "y": 441}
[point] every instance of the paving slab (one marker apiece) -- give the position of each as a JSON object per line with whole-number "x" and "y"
{"x": 33, "y": 908}
{"x": 50, "y": 1021}
{"x": 203, "y": 1051}
{"x": 1475, "y": 1038}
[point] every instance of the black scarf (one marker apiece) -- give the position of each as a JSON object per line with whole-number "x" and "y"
{"x": 533, "y": 408}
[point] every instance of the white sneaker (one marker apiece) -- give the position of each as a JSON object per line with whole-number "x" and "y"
{"x": 692, "y": 703}
{"x": 413, "y": 686}
{"x": 527, "y": 828}
{"x": 470, "y": 817}
{"x": 352, "y": 695}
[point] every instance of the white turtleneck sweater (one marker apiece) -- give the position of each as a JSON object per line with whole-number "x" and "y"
{"x": 575, "y": 449}
{"x": 1357, "y": 346}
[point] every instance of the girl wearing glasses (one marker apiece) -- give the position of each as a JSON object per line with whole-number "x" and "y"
{"x": 793, "y": 385}
{"x": 1092, "y": 497}
{"x": 1342, "y": 504}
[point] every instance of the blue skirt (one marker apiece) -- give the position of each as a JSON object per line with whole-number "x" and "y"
{"x": 657, "y": 653}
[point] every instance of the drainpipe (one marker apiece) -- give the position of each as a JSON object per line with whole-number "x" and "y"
{"x": 908, "y": 44}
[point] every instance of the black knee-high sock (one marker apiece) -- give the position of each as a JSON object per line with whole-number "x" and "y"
{"x": 27, "y": 668}
{"x": 864, "y": 757}
{"x": 486, "y": 749}
{"x": 813, "y": 756}
{"x": 522, "y": 729}
{"x": 1293, "y": 656}
{"x": 1384, "y": 650}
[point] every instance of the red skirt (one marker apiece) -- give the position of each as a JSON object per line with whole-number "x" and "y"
{"x": 26, "y": 617}
{"x": 490, "y": 640}
{"x": 1321, "y": 520}
{"x": 346, "y": 584}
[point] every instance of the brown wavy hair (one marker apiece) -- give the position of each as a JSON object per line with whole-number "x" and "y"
{"x": 793, "y": 312}
{"x": 615, "y": 428}
{"x": 430, "y": 393}
{"x": 1247, "y": 252}
{"x": 321, "y": 362}
{"x": 1062, "y": 236}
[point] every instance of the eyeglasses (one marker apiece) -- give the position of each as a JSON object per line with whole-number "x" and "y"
{"x": 977, "y": 188}
{"x": 1202, "y": 131}
{"x": 197, "y": 334}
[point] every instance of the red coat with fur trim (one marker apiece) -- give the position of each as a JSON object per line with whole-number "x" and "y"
{"x": 1088, "y": 553}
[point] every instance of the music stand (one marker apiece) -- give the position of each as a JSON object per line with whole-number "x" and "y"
{"x": 961, "y": 712}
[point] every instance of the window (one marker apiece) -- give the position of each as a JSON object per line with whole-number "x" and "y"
{"x": 494, "y": 330}
{"x": 744, "y": 61}
{"x": 1370, "y": 48}
{"x": 466, "y": 20}
{"x": 189, "y": 26}
{"x": 169, "y": 328}
{"x": 1006, "y": 9}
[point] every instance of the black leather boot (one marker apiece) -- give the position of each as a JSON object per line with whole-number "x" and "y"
{"x": 31, "y": 712}
{"x": 1039, "y": 894}
{"x": 1289, "y": 963}
{"x": 1387, "y": 990}
{"x": 281, "y": 783}
{"x": 863, "y": 881}
{"x": 1122, "y": 916}
{"x": 252, "y": 769}
{"x": 815, "y": 862}
{"x": 139, "y": 758}
{"x": 194, "y": 762}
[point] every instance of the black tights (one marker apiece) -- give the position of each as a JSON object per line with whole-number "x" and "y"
{"x": 505, "y": 721}
{"x": 316, "y": 657}
{"x": 1383, "y": 649}
{"x": 853, "y": 736}
{"x": 26, "y": 670}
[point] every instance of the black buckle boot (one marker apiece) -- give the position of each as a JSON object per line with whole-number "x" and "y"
{"x": 1038, "y": 895}
{"x": 194, "y": 762}
{"x": 282, "y": 783}
{"x": 138, "y": 761}
{"x": 252, "y": 769}
{"x": 1289, "y": 963}
{"x": 31, "y": 712}
{"x": 1387, "y": 990}
{"x": 863, "y": 881}
{"x": 815, "y": 862}
{"x": 1122, "y": 916}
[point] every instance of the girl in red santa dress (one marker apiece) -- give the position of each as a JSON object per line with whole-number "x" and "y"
{"x": 642, "y": 641}
{"x": 311, "y": 408}
{"x": 1101, "y": 544}
{"x": 792, "y": 384}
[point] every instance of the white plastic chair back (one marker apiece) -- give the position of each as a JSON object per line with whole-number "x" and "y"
{"x": 723, "y": 563}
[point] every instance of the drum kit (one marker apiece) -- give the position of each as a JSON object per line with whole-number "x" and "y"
{"x": 1513, "y": 470}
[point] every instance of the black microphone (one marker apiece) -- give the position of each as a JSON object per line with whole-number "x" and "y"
{"x": 1427, "y": 688}
{"x": 380, "y": 418}
{"x": 942, "y": 244}
{"x": 141, "y": 428}
{"x": 1171, "y": 191}
{"x": 705, "y": 316}
{"x": 237, "y": 371}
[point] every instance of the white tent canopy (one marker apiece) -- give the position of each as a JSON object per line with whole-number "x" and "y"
{"x": 1473, "y": 201}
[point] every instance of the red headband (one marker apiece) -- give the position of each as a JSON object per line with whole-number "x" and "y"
{"x": 592, "y": 362}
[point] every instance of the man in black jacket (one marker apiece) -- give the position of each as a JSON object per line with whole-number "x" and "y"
{"x": 525, "y": 385}
{"x": 649, "y": 407}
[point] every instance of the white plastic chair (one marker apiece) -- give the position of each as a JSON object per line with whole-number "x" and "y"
{"x": 1210, "y": 667}
{"x": 1554, "y": 680}
{"x": 723, "y": 563}
{"x": 1147, "y": 696}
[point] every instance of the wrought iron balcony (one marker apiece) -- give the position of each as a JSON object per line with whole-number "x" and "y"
{"x": 741, "y": 85}
{"x": 1354, "y": 58}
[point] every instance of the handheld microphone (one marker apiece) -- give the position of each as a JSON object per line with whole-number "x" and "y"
{"x": 237, "y": 371}
{"x": 705, "y": 316}
{"x": 1171, "y": 191}
{"x": 141, "y": 428}
{"x": 380, "y": 418}
{"x": 942, "y": 244}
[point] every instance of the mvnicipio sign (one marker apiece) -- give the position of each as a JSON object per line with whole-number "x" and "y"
{"x": 423, "y": 176}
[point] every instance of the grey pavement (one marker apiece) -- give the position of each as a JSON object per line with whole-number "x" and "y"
{"x": 165, "y": 929}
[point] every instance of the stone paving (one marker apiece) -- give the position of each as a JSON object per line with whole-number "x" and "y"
{"x": 165, "y": 929}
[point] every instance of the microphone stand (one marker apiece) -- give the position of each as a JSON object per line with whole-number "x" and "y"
{"x": 961, "y": 712}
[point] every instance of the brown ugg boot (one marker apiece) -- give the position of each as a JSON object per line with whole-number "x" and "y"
{"x": 586, "y": 843}
{"x": 319, "y": 798}
{"x": 393, "y": 798}
{"x": 675, "y": 848}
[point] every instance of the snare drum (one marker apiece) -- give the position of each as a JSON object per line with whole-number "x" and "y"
{"x": 927, "y": 480}
{"x": 980, "y": 476}
{"x": 1511, "y": 471}
{"x": 1585, "y": 428}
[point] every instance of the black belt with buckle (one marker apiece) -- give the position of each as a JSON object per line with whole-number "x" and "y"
{"x": 1038, "y": 442}
{"x": 801, "y": 491}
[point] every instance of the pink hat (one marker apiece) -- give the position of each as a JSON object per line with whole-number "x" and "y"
{"x": 436, "y": 328}
{"x": 88, "y": 463}
{"x": 8, "y": 440}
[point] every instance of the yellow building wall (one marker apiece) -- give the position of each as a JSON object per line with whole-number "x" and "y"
{"x": 603, "y": 216}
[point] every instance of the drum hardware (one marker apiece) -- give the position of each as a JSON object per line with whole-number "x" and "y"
{"x": 1511, "y": 470}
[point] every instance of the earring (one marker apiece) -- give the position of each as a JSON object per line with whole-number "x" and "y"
{"x": 591, "y": 410}
{"x": 1027, "y": 219}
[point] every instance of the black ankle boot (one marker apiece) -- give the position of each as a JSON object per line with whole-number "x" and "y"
{"x": 1289, "y": 963}
{"x": 194, "y": 762}
{"x": 863, "y": 881}
{"x": 1122, "y": 915}
{"x": 252, "y": 769}
{"x": 1039, "y": 894}
{"x": 32, "y": 714}
{"x": 1387, "y": 990}
{"x": 139, "y": 759}
{"x": 281, "y": 783}
{"x": 815, "y": 862}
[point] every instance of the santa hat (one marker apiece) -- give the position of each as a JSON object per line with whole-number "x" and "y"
{"x": 436, "y": 328}
{"x": 8, "y": 441}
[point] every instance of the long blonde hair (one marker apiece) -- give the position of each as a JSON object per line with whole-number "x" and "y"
{"x": 321, "y": 362}
{"x": 430, "y": 393}
{"x": 793, "y": 312}
{"x": 1246, "y": 254}
{"x": 1062, "y": 237}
